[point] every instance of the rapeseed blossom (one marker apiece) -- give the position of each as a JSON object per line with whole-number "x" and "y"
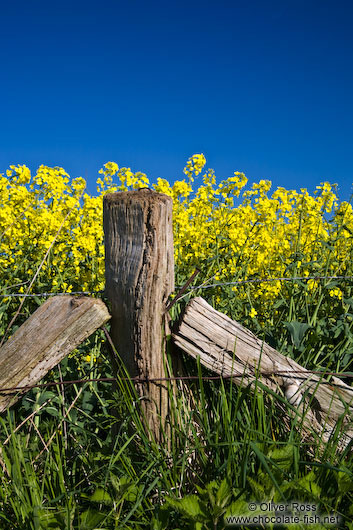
{"x": 235, "y": 233}
{"x": 336, "y": 293}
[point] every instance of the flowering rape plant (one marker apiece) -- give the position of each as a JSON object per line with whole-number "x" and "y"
{"x": 261, "y": 234}
{"x": 232, "y": 231}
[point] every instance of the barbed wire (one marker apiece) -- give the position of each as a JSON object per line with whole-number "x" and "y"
{"x": 301, "y": 375}
{"x": 39, "y": 295}
{"x": 264, "y": 280}
{"x": 194, "y": 288}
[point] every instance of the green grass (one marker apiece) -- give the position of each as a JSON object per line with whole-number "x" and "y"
{"x": 79, "y": 457}
{"x": 78, "y": 467}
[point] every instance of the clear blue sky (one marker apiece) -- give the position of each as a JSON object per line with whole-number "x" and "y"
{"x": 264, "y": 87}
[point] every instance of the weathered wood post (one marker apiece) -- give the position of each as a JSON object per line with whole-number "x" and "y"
{"x": 139, "y": 268}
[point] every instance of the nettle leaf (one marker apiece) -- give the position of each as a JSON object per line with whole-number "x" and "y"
{"x": 257, "y": 489}
{"x": 282, "y": 457}
{"x": 101, "y": 496}
{"x": 345, "y": 481}
{"x": 125, "y": 488}
{"x": 309, "y": 483}
{"x": 189, "y": 506}
{"x": 238, "y": 507}
{"x": 90, "y": 519}
{"x": 223, "y": 494}
{"x": 297, "y": 331}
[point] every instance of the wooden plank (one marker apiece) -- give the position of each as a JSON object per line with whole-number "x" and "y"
{"x": 139, "y": 265}
{"x": 55, "y": 329}
{"x": 228, "y": 348}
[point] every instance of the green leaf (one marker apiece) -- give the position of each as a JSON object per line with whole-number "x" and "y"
{"x": 125, "y": 488}
{"x": 90, "y": 519}
{"x": 238, "y": 507}
{"x": 102, "y": 496}
{"x": 297, "y": 331}
{"x": 189, "y": 506}
{"x": 308, "y": 483}
{"x": 38, "y": 300}
{"x": 52, "y": 411}
{"x": 266, "y": 467}
{"x": 344, "y": 481}
{"x": 282, "y": 457}
{"x": 46, "y": 395}
{"x": 349, "y": 301}
{"x": 258, "y": 489}
{"x": 223, "y": 494}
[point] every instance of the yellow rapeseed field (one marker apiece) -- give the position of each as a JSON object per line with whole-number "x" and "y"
{"x": 238, "y": 231}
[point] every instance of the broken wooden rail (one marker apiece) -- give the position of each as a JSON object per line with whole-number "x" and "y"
{"x": 229, "y": 349}
{"x": 55, "y": 329}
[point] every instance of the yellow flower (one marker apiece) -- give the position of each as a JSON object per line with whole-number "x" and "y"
{"x": 312, "y": 284}
{"x": 251, "y": 232}
{"x": 195, "y": 165}
{"x": 111, "y": 168}
{"x": 336, "y": 293}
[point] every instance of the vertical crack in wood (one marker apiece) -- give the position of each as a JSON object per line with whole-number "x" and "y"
{"x": 139, "y": 278}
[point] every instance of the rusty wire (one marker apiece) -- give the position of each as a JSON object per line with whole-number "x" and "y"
{"x": 183, "y": 288}
{"x": 180, "y": 294}
{"x": 302, "y": 375}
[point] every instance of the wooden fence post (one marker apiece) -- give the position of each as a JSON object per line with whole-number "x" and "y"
{"x": 139, "y": 268}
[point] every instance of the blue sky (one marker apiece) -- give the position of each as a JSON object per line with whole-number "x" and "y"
{"x": 260, "y": 87}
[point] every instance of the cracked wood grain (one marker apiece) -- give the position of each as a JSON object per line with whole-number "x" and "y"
{"x": 139, "y": 268}
{"x": 227, "y": 348}
{"x": 55, "y": 329}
